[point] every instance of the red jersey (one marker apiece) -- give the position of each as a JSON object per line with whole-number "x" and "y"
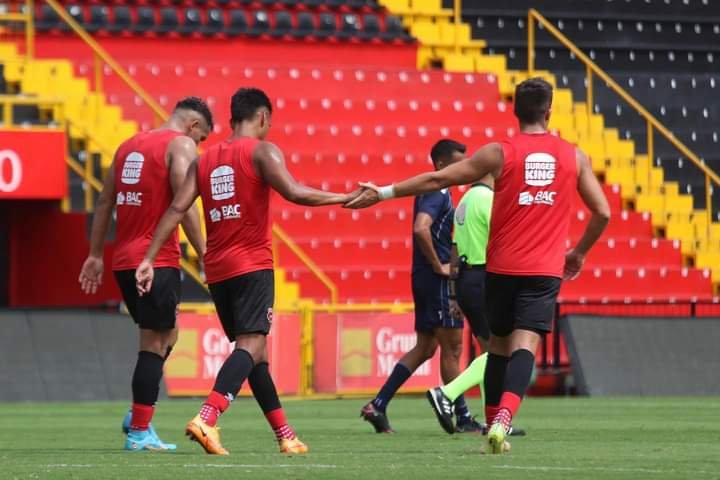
{"x": 142, "y": 183}
{"x": 236, "y": 202}
{"x": 531, "y": 208}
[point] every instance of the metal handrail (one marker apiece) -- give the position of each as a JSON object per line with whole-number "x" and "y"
{"x": 652, "y": 122}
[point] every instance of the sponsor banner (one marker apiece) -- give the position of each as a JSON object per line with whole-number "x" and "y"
{"x": 202, "y": 348}
{"x": 356, "y": 352}
{"x": 32, "y": 165}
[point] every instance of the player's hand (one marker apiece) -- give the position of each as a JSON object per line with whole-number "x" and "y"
{"x": 349, "y": 197}
{"x": 444, "y": 270}
{"x": 91, "y": 274}
{"x": 455, "y": 311}
{"x": 573, "y": 264}
{"x": 367, "y": 198}
{"x": 144, "y": 277}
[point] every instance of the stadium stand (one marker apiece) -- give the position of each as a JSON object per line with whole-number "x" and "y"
{"x": 348, "y": 122}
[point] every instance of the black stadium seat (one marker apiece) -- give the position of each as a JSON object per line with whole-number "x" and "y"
{"x": 214, "y": 23}
{"x": 238, "y": 23}
{"x": 283, "y": 24}
{"x": 191, "y": 22}
{"x": 47, "y": 20}
{"x": 394, "y": 30}
{"x": 350, "y": 28}
{"x": 76, "y": 12}
{"x": 168, "y": 21}
{"x": 145, "y": 21}
{"x": 371, "y": 27}
{"x": 121, "y": 19}
{"x": 327, "y": 26}
{"x": 98, "y": 19}
{"x": 260, "y": 23}
{"x": 305, "y": 25}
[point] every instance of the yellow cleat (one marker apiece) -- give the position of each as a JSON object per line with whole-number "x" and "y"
{"x": 292, "y": 446}
{"x": 496, "y": 443}
{"x": 208, "y": 437}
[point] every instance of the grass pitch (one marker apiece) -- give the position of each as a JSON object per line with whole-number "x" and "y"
{"x": 667, "y": 438}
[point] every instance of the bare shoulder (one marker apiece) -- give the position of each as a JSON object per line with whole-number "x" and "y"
{"x": 265, "y": 151}
{"x": 182, "y": 143}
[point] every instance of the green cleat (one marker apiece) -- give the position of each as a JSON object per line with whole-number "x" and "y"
{"x": 496, "y": 443}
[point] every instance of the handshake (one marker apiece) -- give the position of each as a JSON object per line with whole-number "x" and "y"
{"x": 367, "y": 195}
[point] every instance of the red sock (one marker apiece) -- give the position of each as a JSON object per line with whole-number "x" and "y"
{"x": 141, "y": 416}
{"x": 278, "y": 422}
{"x": 490, "y": 413}
{"x": 511, "y": 402}
{"x": 215, "y": 405}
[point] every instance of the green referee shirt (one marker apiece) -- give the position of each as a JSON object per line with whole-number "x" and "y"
{"x": 472, "y": 224}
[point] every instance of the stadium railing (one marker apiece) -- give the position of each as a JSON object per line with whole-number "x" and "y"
{"x": 653, "y": 124}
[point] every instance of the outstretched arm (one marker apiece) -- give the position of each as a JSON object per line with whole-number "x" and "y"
{"x": 182, "y": 151}
{"x": 487, "y": 160}
{"x": 183, "y": 201}
{"x": 270, "y": 165}
{"x": 592, "y": 195}
{"x": 92, "y": 269}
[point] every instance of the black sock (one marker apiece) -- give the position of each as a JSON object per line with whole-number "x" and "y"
{"x": 263, "y": 388}
{"x": 146, "y": 378}
{"x": 519, "y": 371}
{"x": 494, "y": 377}
{"x": 399, "y": 375}
{"x": 234, "y": 372}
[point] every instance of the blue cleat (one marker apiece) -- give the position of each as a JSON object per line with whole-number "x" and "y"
{"x": 151, "y": 431}
{"x": 142, "y": 440}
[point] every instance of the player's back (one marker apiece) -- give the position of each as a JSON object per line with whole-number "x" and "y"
{"x": 531, "y": 209}
{"x": 236, "y": 203}
{"x": 144, "y": 192}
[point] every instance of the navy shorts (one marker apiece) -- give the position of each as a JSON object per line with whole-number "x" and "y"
{"x": 431, "y": 294}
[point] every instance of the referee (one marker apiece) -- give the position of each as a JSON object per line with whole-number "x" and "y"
{"x": 467, "y": 293}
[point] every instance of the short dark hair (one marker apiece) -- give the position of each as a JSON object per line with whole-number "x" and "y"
{"x": 533, "y": 98}
{"x": 245, "y": 104}
{"x": 445, "y": 148}
{"x": 197, "y": 105}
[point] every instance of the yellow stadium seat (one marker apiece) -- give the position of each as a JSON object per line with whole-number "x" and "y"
{"x": 426, "y": 6}
{"x": 427, "y": 33}
{"x": 683, "y": 232}
{"x": 671, "y": 188}
{"x": 458, "y": 63}
{"x": 496, "y": 64}
{"x": 562, "y": 101}
{"x": 709, "y": 260}
{"x": 398, "y": 7}
{"x": 714, "y": 231}
{"x": 679, "y": 203}
{"x": 8, "y": 51}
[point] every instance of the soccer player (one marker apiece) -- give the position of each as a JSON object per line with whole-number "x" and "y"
{"x": 536, "y": 175}
{"x": 432, "y": 239}
{"x": 234, "y": 179}
{"x": 145, "y": 172}
{"x": 467, "y": 294}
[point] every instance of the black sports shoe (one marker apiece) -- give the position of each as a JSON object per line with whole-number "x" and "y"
{"x": 516, "y": 432}
{"x": 443, "y": 408}
{"x": 471, "y": 426}
{"x": 376, "y": 418}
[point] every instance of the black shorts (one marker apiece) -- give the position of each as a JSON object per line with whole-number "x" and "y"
{"x": 520, "y": 302}
{"x": 245, "y": 303}
{"x": 431, "y": 294}
{"x": 470, "y": 292}
{"x": 157, "y": 309}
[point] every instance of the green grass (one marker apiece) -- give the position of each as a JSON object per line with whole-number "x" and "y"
{"x": 667, "y": 438}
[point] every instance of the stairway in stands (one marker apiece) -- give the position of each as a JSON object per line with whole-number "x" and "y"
{"x": 352, "y": 111}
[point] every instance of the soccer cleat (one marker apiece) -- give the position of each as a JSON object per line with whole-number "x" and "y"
{"x": 471, "y": 426}
{"x": 443, "y": 408}
{"x": 208, "y": 437}
{"x": 376, "y": 418}
{"x": 496, "y": 443}
{"x": 141, "y": 440}
{"x": 516, "y": 432}
{"x": 151, "y": 431}
{"x": 292, "y": 446}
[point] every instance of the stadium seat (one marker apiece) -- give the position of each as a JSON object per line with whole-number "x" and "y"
{"x": 98, "y": 19}
{"x": 350, "y": 27}
{"x": 192, "y": 22}
{"x": 260, "y": 24}
{"x": 283, "y": 24}
{"x": 394, "y": 30}
{"x": 77, "y": 13}
{"x": 371, "y": 28}
{"x": 305, "y": 25}
{"x": 237, "y": 25}
{"x": 145, "y": 20}
{"x": 169, "y": 22}
{"x": 327, "y": 26}
{"x": 121, "y": 20}
{"x": 215, "y": 22}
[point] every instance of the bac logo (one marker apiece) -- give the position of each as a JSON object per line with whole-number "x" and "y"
{"x": 133, "y": 199}
{"x": 11, "y": 182}
{"x": 540, "y": 198}
{"x": 132, "y": 168}
{"x": 231, "y": 211}
{"x": 222, "y": 183}
{"x": 539, "y": 169}
{"x": 215, "y": 215}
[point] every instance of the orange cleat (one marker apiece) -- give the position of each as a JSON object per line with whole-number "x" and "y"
{"x": 208, "y": 437}
{"x": 292, "y": 446}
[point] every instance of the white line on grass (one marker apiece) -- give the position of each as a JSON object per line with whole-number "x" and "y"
{"x": 597, "y": 469}
{"x": 189, "y": 465}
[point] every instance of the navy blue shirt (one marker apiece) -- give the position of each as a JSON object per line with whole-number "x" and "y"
{"x": 439, "y": 206}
